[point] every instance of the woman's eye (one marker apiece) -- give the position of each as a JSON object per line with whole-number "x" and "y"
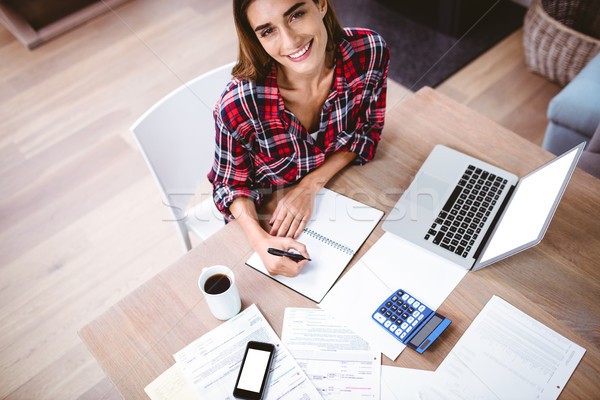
{"x": 266, "y": 32}
{"x": 297, "y": 15}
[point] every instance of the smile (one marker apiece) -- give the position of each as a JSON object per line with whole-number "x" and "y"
{"x": 302, "y": 53}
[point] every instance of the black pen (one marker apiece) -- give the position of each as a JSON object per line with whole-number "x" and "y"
{"x": 281, "y": 253}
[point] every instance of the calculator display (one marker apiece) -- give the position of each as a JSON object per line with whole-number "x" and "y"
{"x": 425, "y": 331}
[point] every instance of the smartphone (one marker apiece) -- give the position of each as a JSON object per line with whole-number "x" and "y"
{"x": 252, "y": 379}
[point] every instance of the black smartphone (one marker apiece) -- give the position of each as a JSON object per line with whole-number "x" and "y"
{"x": 252, "y": 379}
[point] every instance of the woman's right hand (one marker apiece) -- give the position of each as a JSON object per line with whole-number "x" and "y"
{"x": 277, "y": 265}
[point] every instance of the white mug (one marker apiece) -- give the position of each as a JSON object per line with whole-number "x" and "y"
{"x": 221, "y": 293}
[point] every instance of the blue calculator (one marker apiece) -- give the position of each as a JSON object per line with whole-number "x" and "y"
{"x": 410, "y": 321}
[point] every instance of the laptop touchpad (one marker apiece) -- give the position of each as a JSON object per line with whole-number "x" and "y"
{"x": 428, "y": 192}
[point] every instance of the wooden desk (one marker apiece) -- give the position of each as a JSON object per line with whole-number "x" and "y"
{"x": 556, "y": 282}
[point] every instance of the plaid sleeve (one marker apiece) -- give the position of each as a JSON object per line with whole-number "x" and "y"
{"x": 232, "y": 174}
{"x": 363, "y": 141}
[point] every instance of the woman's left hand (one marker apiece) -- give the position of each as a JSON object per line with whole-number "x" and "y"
{"x": 293, "y": 211}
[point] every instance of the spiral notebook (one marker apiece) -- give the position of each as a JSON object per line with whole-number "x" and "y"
{"x": 335, "y": 232}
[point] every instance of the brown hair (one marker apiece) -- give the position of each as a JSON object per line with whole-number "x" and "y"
{"x": 253, "y": 61}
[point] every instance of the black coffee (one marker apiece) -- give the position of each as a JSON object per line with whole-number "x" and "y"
{"x": 217, "y": 284}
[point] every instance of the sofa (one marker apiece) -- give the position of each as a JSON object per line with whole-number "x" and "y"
{"x": 574, "y": 114}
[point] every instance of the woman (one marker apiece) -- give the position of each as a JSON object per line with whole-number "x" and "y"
{"x": 307, "y": 99}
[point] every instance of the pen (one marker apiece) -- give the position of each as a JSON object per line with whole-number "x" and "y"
{"x": 281, "y": 253}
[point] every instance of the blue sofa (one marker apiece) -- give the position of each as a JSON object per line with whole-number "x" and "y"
{"x": 574, "y": 113}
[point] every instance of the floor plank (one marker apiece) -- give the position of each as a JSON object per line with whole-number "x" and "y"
{"x": 81, "y": 221}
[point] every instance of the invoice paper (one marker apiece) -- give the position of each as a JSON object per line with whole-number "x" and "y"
{"x": 505, "y": 354}
{"x": 339, "y": 363}
{"x": 211, "y": 363}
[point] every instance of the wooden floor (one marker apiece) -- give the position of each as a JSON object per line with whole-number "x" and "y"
{"x": 81, "y": 222}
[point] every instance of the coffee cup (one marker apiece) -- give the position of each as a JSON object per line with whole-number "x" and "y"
{"x": 217, "y": 284}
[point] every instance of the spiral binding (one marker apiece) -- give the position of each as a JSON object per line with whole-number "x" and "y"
{"x": 329, "y": 242}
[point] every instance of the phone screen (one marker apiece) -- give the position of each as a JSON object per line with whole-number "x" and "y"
{"x": 254, "y": 370}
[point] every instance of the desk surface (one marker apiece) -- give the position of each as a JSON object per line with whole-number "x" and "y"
{"x": 557, "y": 282}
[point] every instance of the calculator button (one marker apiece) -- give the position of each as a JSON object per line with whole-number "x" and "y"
{"x": 393, "y": 317}
{"x": 388, "y": 314}
{"x": 404, "y": 316}
{"x": 414, "y": 323}
{"x": 420, "y": 317}
{"x": 416, "y": 314}
{"x": 382, "y": 310}
{"x": 380, "y": 318}
{"x": 404, "y": 325}
{"x": 410, "y": 320}
{"x": 416, "y": 304}
{"x": 398, "y": 332}
{"x": 410, "y": 310}
{"x": 410, "y": 301}
{"x": 408, "y": 329}
{"x": 421, "y": 308}
{"x": 404, "y": 306}
{"x": 403, "y": 335}
{"x": 394, "y": 298}
{"x": 394, "y": 307}
{"x": 400, "y": 293}
{"x": 387, "y": 324}
{"x": 405, "y": 297}
{"x": 393, "y": 328}
{"x": 388, "y": 304}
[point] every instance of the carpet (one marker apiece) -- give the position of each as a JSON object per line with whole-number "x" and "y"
{"x": 419, "y": 54}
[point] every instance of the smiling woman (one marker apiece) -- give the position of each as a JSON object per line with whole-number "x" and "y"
{"x": 307, "y": 99}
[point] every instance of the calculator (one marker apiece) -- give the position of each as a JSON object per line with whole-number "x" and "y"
{"x": 410, "y": 321}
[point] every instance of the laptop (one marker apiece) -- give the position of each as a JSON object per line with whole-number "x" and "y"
{"x": 474, "y": 213}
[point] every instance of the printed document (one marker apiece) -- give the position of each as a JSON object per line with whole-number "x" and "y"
{"x": 391, "y": 264}
{"x": 339, "y": 363}
{"x": 506, "y": 355}
{"x": 211, "y": 363}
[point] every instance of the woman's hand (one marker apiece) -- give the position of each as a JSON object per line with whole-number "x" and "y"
{"x": 277, "y": 265}
{"x": 293, "y": 211}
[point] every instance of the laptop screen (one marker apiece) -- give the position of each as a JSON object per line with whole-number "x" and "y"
{"x": 531, "y": 208}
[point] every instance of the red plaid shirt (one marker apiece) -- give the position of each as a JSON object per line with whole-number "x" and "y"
{"x": 260, "y": 145}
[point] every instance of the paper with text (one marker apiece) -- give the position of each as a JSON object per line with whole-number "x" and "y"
{"x": 339, "y": 363}
{"x": 505, "y": 354}
{"x": 337, "y": 229}
{"x": 391, "y": 264}
{"x": 211, "y": 363}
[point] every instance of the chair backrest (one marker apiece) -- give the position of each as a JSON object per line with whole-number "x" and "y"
{"x": 177, "y": 137}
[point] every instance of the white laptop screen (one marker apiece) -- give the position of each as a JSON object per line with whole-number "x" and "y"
{"x": 530, "y": 210}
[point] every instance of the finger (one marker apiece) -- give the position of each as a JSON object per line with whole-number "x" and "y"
{"x": 299, "y": 247}
{"x": 285, "y": 225}
{"x": 291, "y": 268}
{"x": 291, "y": 233}
{"x": 301, "y": 227}
{"x": 278, "y": 219}
{"x": 275, "y": 213}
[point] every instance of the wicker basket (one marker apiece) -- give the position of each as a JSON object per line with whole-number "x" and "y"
{"x": 555, "y": 46}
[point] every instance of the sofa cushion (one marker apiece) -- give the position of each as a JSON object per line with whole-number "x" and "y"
{"x": 590, "y": 158}
{"x": 577, "y": 106}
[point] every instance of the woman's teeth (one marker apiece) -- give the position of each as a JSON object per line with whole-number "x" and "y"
{"x": 300, "y": 52}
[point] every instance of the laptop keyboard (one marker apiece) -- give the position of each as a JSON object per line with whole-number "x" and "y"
{"x": 459, "y": 223}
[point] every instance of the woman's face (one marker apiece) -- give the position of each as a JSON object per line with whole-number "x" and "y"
{"x": 291, "y": 31}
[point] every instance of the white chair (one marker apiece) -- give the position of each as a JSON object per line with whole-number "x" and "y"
{"x": 177, "y": 139}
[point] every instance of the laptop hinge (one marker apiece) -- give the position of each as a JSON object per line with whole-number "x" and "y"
{"x": 492, "y": 226}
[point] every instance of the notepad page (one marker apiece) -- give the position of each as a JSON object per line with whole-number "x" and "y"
{"x": 338, "y": 228}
